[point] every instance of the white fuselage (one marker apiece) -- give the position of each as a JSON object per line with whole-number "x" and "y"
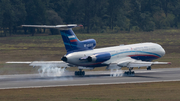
{"x": 141, "y": 51}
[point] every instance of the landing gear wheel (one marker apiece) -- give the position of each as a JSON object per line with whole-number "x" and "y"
{"x": 79, "y": 73}
{"x": 76, "y": 72}
{"x": 83, "y": 73}
{"x": 149, "y": 68}
{"x": 129, "y": 72}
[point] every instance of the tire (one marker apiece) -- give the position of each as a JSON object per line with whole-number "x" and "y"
{"x": 83, "y": 73}
{"x": 149, "y": 68}
{"x": 75, "y": 73}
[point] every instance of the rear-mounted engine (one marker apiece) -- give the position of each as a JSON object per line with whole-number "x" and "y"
{"x": 64, "y": 59}
{"x": 99, "y": 57}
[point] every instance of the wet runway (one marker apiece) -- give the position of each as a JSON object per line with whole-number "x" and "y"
{"x": 91, "y": 78}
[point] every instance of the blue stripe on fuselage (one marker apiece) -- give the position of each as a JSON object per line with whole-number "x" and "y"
{"x": 134, "y": 52}
{"x": 144, "y": 57}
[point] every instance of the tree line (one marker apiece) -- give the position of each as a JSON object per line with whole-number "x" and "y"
{"x": 97, "y": 16}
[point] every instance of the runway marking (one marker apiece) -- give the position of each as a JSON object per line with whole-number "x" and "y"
{"x": 91, "y": 84}
{"x": 27, "y": 62}
{"x": 147, "y": 71}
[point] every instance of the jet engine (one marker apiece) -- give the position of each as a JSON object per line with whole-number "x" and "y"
{"x": 99, "y": 57}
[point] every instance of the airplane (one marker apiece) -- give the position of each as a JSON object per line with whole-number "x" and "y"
{"x": 82, "y": 54}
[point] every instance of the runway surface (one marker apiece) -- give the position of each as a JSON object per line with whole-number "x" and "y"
{"x": 91, "y": 78}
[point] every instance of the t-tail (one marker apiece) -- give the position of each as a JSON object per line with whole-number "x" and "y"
{"x": 71, "y": 42}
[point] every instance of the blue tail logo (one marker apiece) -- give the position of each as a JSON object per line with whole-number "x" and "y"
{"x": 73, "y": 44}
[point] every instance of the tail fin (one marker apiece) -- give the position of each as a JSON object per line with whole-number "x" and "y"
{"x": 71, "y": 42}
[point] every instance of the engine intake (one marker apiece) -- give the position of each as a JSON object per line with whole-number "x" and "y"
{"x": 64, "y": 59}
{"x": 99, "y": 57}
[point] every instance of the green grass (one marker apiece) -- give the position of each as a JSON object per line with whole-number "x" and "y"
{"x": 165, "y": 91}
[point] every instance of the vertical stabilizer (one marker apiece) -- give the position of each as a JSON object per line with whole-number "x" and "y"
{"x": 71, "y": 42}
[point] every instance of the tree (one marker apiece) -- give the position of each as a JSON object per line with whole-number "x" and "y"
{"x": 1, "y": 18}
{"x": 36, "y": 13}
{"x": 8, "y": 16}
{"x": 134, "y": 13}
{"x": 175, "y": 9}
{"x": 1, "y": 15}
{"x": 146, "y": 23}
{"x": 95, "y": 15}
{"x": 61, "y": 7}
{"x": 115, "y": 12}
{"x": 53, "y": 19}
{"x": 19, "y": 11}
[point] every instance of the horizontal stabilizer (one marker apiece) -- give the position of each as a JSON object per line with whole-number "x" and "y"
{"x": 60, "y": 27}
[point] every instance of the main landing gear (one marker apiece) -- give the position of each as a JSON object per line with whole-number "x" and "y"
{"x": 149, "y": 68}
{"x": 79, "y": 73}
{"x": 129, "y": 72}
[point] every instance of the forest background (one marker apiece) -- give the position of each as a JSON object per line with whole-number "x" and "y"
{"x": 97, "y": 16}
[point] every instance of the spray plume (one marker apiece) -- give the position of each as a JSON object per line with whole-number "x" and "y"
{"x": 116, "y": 73}
{"x": 50, "y": 70}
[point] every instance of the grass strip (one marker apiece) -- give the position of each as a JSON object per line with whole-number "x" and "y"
{"x": 163, "y": 91}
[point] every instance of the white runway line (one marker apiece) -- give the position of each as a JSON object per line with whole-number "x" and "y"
{"x": 27, "y": 62}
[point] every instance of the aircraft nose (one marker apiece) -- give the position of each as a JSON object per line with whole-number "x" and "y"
{"x": 162, "y": 52}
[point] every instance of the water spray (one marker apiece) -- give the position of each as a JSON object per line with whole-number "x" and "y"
{"x": 50, "y": 70}
{"x": 116, "y": 73}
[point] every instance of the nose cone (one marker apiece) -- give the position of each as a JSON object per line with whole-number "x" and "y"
{"x": 162, "y": 52}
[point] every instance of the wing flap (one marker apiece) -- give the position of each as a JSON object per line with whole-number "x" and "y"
{"x": 146, "y": 64}
{"x": 129, "y": 62}
{"x": 113, "y": 66}
{"x": 139, "y": 64}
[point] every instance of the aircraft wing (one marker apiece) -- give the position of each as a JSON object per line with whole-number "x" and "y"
{"x": 129, "y": 62}
{"x": 41, "y": 63}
